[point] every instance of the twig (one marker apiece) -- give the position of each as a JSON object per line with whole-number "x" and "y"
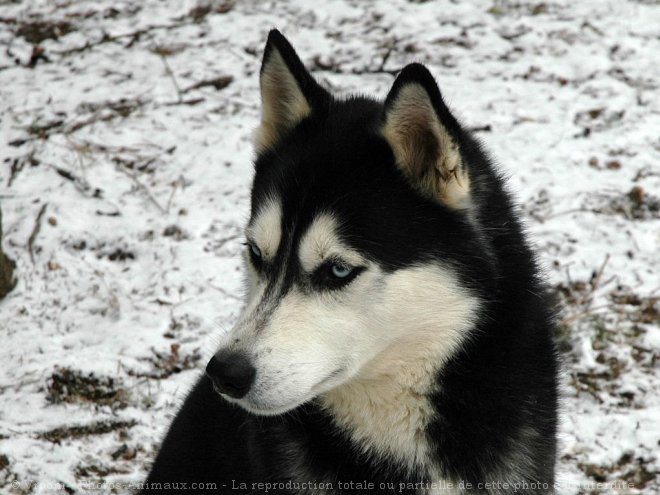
{"x": 594, "y": 285}
{"x": 16, "y": 167}
{"x": 144, "y": 188}
{"x": 386, "y": 57}
{"x": 358, "y": 72}
{"x": 588, "y": 311}
{"x": 67, "y": 128}
{"x": 543, "y": 219}
{"x": 224, "y": 292}
{"x": 80, "y": 184}
{"x": 227, "y": 239}
{"x": 596, "y": 280}
{"x": 168, "y": 69}
{"x": 106, "y": 38}
{"x": 180, "y": 182}
{"x": 218, "y": 83}
{"x": 336, "y": 69}
{"x": 7, "y": 266}
{"x": 381, "y": 67}
{"x": 35, "y": 231}
{"x": 113, "y": 300}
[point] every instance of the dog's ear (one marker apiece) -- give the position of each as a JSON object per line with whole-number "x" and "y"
{"x": 288, "y": 91}
{"x": 425, "y": 137}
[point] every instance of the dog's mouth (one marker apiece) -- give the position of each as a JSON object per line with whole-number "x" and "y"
{"x": 217, "y": 390}
{"x": 253, "y": 405}
{"x": 261, "y": 409}
{"x": 320, "y": 386}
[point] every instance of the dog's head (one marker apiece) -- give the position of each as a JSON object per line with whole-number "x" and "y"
{"x": 361, "y": 249}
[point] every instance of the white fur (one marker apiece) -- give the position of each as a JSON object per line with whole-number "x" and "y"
{"x": 265, "y": 230}
{"x": 301, "y": 343}
{"x": 321, "y": 242}
{"x": 422, "y": 316}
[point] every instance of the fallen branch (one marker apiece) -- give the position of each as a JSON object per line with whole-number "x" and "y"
{"x": 144, "y": 188}
{"x": 106, "y": 38}
{"x": 169, "y": 72}
{"x": 180, "y": 182}
{"x": 7, "y": 265}
{"x": 35, "y": 231}
{"x": 218, "y": 83}
{"x": 45, "y": 131}
{"x": 595, "y": 283}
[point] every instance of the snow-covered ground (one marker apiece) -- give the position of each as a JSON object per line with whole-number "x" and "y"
{"x": 125, "y": 130}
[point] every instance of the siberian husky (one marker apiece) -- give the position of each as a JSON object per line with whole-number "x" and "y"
{"x": 396, "y": 337}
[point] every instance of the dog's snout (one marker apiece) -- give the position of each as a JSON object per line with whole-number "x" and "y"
{"x": 231, "y": 373}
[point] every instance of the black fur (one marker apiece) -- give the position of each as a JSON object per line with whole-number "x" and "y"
{"x": 497, "y": 401}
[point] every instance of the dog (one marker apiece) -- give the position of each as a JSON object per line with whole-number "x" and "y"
{"x": 396, "y": 336}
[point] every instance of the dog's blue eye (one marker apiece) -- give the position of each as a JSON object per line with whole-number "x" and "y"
{"x": 255, "y": 251}
{"x": 341, "y": 271}
{"x": 335, "y": 275}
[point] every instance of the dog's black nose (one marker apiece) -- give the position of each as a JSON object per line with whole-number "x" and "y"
{"x": 231, "y": 373}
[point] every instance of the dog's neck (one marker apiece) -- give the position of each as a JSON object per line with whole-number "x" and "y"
{"x": 387, "y": 408}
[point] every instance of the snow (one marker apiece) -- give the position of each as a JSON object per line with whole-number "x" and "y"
{"x": 108, "y": 139}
